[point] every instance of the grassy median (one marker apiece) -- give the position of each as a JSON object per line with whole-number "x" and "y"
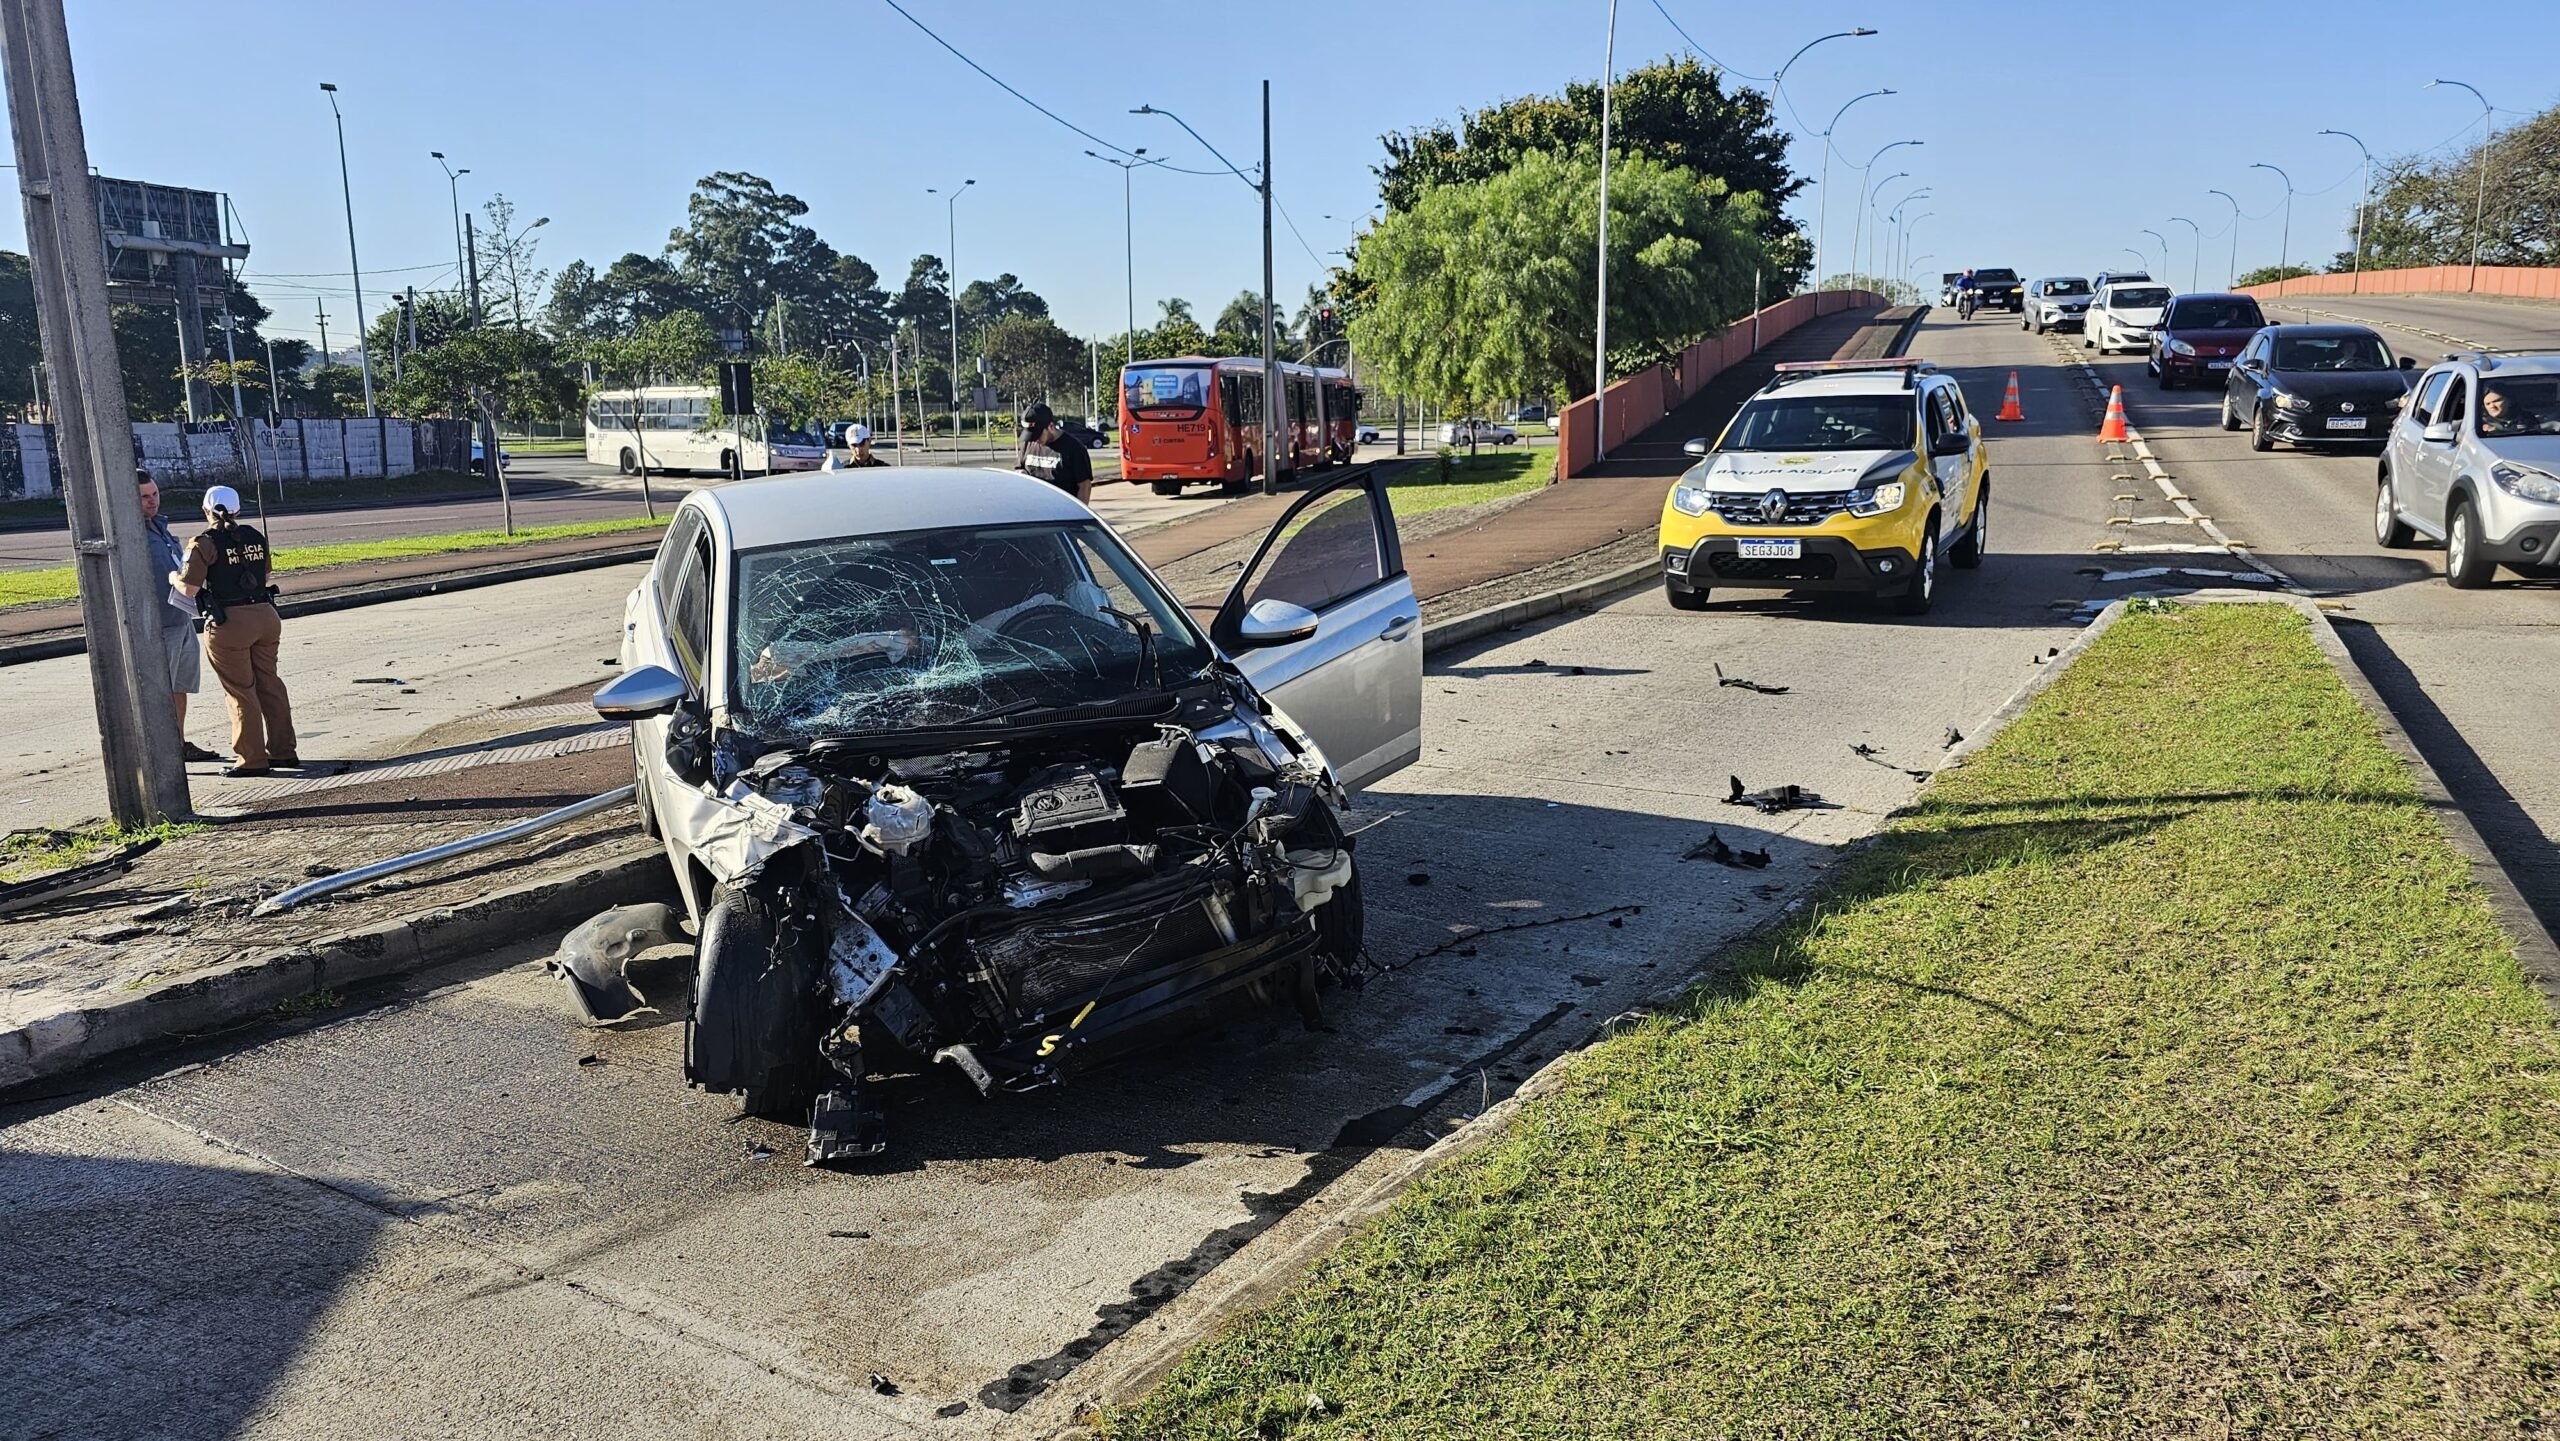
{"x": 1469, "y": 480}
{"x": 29, "y": 587}
{"x": 2161, "y": 1074}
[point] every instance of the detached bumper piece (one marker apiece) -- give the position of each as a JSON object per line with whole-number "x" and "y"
{"x": 846, "y": 1125}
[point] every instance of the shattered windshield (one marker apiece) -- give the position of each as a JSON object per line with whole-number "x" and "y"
{"x": 946, "y": 627}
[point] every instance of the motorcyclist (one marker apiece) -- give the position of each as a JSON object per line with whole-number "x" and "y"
{"x": 1965, "y": 294}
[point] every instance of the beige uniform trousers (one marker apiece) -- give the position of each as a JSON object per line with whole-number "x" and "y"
{"x": 242, "y": 650}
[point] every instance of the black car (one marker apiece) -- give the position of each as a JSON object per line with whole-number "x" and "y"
{"x": 2315, "y": 384}
{"x": 1084, "y": 435}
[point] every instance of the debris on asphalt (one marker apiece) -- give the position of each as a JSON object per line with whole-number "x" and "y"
{"x": 1418, "y": 878}
{"x": 1738, "y": 683}
{"x": 956, "y": 1408}
{"x": 110, "y": 934}
{"x": 758, "y": 1151}
{"x": 591, "y": 1060}
{"x": 1713, "y": 848}
{"x": 1462, "y": 1030}
{"x": 883, "y": 1384}
{"x": 318, "y": 870}
{"x": 164, "y": 910}
{"x": 1789, "y": 797}
{"x": 850, "y": 1235}
{"x": 1464, "y": 945}
{"x": 54, "y": 885}
{"x": 1953, "y": 736}
{"x": 377, "y": 680}
{"x": 1875, "y": 755}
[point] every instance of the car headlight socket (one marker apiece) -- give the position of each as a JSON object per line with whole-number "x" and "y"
{"x": 1690, "y": 499}
{"x": 2526, "y": 483}
{"x": 2180, "y": 347}
{"x": 2285, "y": 400}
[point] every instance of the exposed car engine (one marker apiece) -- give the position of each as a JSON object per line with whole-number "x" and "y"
{"x": 1020, "y": 907}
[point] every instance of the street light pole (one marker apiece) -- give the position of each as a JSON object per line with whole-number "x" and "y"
{"x": 2231, "y": 273}
{"x": 2364, "y": 202}
{"x": 1600, "y": 338}
{"x": 515, "y": 292}
{"x": 2164, "y": 251}
{"x": 1873, "y": 201}
{"x": 1858, "y": 227}
{"x": 1271, "y": 395}
{"x": 951, "y": 291}
{"x": 1129, "y": 228}
{"x": 2284, "y": 244}
{"x": 1908, "y": 227}
{"x": 346, "y": 192}
{"x": 2480, "y": 206}
{"x": 1822, "y": 219}
{"x": 453, "y": 187}
{"x": 2195, "y": 263}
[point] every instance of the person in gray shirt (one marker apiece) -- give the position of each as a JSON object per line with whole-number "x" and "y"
{"x": 177, "y": 614}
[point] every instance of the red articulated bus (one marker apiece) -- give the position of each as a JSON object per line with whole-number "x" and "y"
{"x": 1197, "y": 419}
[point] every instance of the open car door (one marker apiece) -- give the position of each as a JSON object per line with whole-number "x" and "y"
{"x": 1355, "y": 685}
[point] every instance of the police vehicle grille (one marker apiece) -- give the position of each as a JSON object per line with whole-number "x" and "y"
{"x": 1743, "y": 508}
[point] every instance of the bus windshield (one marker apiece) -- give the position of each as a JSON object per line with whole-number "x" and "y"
{"x": 1165, "y": 387}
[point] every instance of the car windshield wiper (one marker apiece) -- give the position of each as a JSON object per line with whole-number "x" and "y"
{"x": 1147, "y": 657}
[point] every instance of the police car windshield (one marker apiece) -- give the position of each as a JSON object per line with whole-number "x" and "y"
{"x": 1825, "y": 422}
{"x": 934, "y": 628}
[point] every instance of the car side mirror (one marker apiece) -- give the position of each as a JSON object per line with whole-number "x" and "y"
{"x": 1275, "y": 622}
{"x": 2440, "y": 433}
{"x": 1954, "y": 442}
{"x": 2408, "y": 362}
{"x": 1696, "y": 446}
{"x": 643, "y": 694}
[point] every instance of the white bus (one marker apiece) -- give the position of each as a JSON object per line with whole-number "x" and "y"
{"x": 670, "y": 428}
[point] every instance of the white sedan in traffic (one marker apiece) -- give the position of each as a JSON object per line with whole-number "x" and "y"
{"x": 1479, "y": 432}
{"x": 2123, "y": 316}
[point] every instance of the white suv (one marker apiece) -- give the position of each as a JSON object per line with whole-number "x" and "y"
{"x": 2474, "y": 461}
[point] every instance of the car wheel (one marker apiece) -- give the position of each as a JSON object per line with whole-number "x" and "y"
{"x": 2167, "y": 380}
{"x": 628, "y": 463}
{"x": 728, "y": 462}
{"x": 753, "y": 1031}
{"x": 2086, "y": 342}
{"x": 1975, "y": 542}
{"x": 2465, "y": 568}
{"x": 2230, "y": 417}
{"x": 1688, "y": 599}
{"x": 2389, "y": 530}
{"x": 1922, "y": 592}
{"x": 2262, "y": 431}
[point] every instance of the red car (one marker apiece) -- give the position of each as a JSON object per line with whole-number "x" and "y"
{"x": 2199, "y": 335}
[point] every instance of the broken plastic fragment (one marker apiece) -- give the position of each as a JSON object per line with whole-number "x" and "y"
{"x": 595, "y": 959}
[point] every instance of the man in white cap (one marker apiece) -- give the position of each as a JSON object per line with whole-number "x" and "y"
{"x": 177, "y": 618}
{"x": 227, "y": 576}
{"x": 858, "y": 436}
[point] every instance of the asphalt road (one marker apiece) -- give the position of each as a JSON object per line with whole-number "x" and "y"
{"x": 455, "y": 1212}
{"x": 2428, "y": 325}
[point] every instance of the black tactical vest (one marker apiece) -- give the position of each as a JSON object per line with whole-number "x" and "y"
{"x": 238, "y": 574}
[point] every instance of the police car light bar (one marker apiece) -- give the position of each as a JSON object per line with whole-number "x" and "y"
{"x": 1909, "y": 367}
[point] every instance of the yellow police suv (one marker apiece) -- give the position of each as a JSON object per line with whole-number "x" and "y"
{"x": 1855, "y": 475}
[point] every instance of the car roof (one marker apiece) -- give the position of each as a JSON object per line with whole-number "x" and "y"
{"x": 2323, "y": 330}
{"x": 810, "y": 505}
{"x": 1852, "y": 382}
{"x": 2501, "y": 365}
{"x": 2212, "y": 295}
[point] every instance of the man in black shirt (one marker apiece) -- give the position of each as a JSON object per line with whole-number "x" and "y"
{"x": 1053, "y": 455}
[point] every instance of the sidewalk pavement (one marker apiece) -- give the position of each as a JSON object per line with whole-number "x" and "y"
{"x": 170, "y": 947}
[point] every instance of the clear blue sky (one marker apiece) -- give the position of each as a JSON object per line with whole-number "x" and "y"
{"x": 2041, "y": 148}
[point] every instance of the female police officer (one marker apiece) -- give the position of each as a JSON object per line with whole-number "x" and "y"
{"x": 226, "y": 572}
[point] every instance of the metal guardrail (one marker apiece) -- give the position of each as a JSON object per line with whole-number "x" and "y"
{"x": 309, "y": 890}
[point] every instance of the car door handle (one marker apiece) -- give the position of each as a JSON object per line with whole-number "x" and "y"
{"x": 1398, "y": 628}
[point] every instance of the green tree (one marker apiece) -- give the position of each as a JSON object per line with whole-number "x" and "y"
{"x": 2423, "y": 209}
{"x": 1675, "y": 113}
{"x": 590, "y": 305}
{"x": 742, "y": 247}
{"x": 805, "y": 388}
{"x": 2270, "y": 274}
{"x": 519, "y": 370}
{"x": 330, "y": 391}
{"x": 511, "y": 280}
{"x": 1030, "y": 357}
{"x": 1485, "y": 289}
{"x": 671, "y": 350}
{"x": 21, "y": 348}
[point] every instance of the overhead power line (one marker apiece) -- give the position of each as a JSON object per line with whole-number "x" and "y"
{"x": 1702, "y": 50}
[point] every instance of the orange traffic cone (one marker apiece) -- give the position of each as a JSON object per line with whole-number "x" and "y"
{"x": 2114, "y": 427}
{"x": 2009, "y": 407}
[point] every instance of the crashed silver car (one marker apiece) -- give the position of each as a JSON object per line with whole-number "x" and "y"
{"x": 947, "y": 775}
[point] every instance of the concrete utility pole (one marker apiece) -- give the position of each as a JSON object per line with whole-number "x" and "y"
{"x": 951, "y": 292}
{"x": 346, "y": 192}
{"x": 121, "y": 596}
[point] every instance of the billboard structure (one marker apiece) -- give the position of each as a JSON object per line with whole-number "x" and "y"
{"x": 148, "y": 227}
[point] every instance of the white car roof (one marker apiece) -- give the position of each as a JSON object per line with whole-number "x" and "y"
{"x": 2505, "y": 364}
{"x": 1855, "y": 382}
{"x": 828, "y": 504}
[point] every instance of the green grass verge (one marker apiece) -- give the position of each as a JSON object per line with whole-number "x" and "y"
{"x": 544, "y": 445}
{"x": 28, "y": 853}
{"x": 27, "y": 587}
{"x": 2161, "y": 1074}
{"x": 1493, "y": 475}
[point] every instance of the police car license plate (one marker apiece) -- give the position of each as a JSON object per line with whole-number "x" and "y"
{"x": 1770, "y": 549}
{"x": 2346, "y": 422}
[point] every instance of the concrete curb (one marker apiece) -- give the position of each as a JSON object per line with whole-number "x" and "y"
{"x": 1267, "y": 1266}
{"x": 73, "y": 639}
{"x": 1457, "y": 630}
{"x": 259, "y": 981}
